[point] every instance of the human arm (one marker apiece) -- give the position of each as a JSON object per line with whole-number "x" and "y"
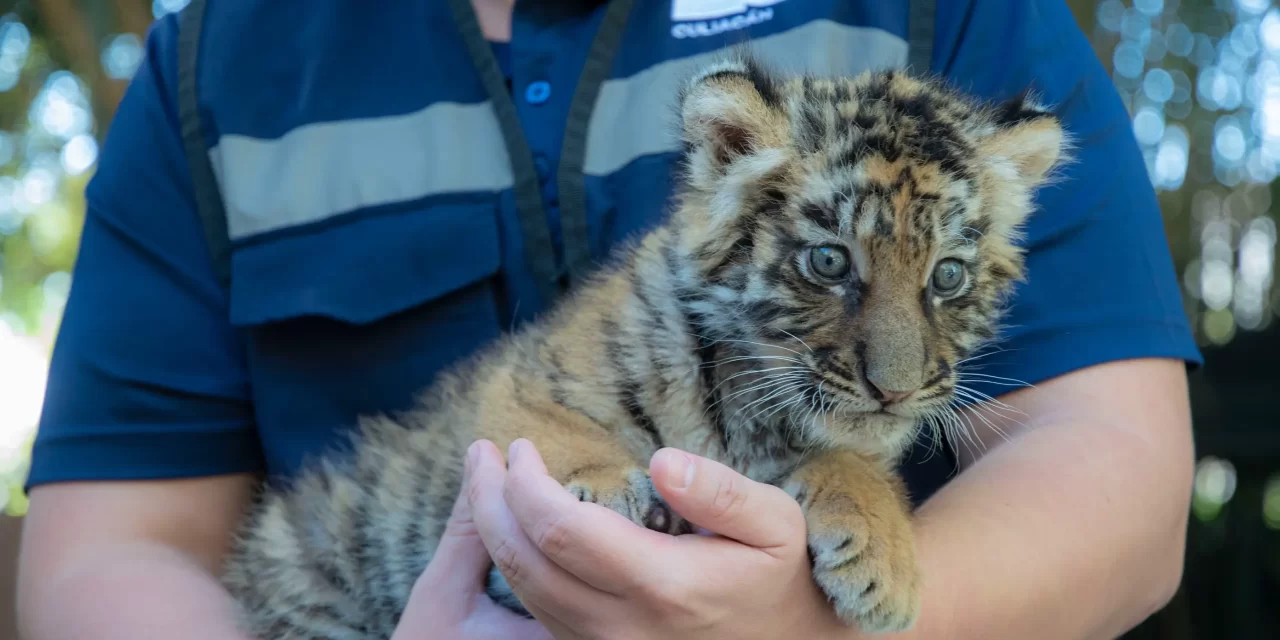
{"x": 1075, "y": 527}
{"x": 130, "y": 560}
{"x": 139, "y": 560}
{"x": 1072, "y": 529}
{"x": 146, "y": 448}
{"x": 1089, "y": 500}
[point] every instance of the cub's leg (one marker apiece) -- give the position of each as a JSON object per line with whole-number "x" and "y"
{"x": 604, "y": 464}
{"x": 860, "y": 539}
{"x": 600, "y": 470}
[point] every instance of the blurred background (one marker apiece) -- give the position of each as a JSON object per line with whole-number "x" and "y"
{"x": 1201, "y": 79}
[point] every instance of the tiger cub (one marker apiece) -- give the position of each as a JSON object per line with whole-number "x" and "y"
{"x": 836, "y": 247}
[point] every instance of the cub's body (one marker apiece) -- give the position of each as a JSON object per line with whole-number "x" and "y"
{"x": 837, "y": 248}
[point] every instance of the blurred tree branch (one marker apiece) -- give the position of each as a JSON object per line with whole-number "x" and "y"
{"x": 134, "y": 16}
{"x": 1083, "y": 10}
{"x": 72, "y": 34}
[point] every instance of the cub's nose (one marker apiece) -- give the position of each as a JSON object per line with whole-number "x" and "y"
{"x": 889, "y": 396}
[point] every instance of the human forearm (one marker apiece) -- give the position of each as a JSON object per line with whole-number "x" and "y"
{"x": 1070, "y": 531}
{"x": 136, "y": 591}
{"x": 137, "y": 559}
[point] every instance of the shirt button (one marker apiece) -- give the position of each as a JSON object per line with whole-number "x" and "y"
{"x": 537, "y": 92}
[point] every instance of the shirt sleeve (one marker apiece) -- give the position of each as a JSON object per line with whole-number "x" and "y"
{"x": 1101, "y": 284}
{"x": 147, "y": 378}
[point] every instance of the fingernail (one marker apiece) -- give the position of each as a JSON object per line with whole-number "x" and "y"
{"x": 466, "y": 466}
{"x": 680, "y": 470}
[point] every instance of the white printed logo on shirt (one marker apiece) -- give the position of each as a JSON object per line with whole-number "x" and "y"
{"x": 701, "y": 18}
{"x": 687, "y": 10}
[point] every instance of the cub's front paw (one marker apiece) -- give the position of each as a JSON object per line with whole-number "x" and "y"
{"x": 865, "y": 562}
{"x": 630, "y": 492}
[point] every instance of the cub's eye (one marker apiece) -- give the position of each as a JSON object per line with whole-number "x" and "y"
{"x": 831, "y": 263}
{"x": 948, "y": 277}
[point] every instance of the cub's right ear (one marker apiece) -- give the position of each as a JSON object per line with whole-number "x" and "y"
{"x": 732, "y": 109}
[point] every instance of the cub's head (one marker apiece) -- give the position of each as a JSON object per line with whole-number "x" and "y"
{"x": 856, "y": 234}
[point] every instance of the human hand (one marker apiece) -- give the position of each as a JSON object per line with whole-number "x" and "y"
{"x": 448, "y": 601}
{"x": 587, "y": 572}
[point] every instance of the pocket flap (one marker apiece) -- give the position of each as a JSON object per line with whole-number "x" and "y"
{"x": 364, "y": 269}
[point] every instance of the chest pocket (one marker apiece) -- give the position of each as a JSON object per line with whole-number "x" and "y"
{"x": 359, "y": 258}
{"x": 356, "y": 317}
{"x": 360, "y": 263}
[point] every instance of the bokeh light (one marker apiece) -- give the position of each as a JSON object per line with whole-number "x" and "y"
{"x": 1204, "y": 95}
{"x": 159, "y": 8}
{"x": 1271, "y": 503}
{"x": 79, "y": 154}
{"x": 15, "y": 42}
{"x": 1215, "y": 484}
{"x": 122, "y": 55}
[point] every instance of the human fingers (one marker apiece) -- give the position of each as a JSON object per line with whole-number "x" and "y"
{"x": 449, "y": 600}
{"x": 594, "y": 543}
{"x": 535, "y": 579}
{"x": 725, "y": 502}
{"x": 458, "y": 567}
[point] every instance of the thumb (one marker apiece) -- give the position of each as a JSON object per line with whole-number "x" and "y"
{"x": 460, "y": 562}
{"x": 725, "y": 502}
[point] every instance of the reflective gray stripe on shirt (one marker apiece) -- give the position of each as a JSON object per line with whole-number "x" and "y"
{"x": 636, "y": 116}
{"x": 325, "y": 169}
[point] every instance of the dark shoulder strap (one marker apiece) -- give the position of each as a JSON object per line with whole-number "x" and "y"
{"x": 539, "y": 249}
{"x": 208, "y": 198}
{"x": 920, "y": 36}
{"x": 571, "y": 180}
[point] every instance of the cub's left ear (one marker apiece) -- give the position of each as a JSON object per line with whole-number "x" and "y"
{"x": 1028, "y": 141}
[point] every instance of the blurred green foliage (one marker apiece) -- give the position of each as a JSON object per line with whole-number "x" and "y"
{"x": 63, "y": 66}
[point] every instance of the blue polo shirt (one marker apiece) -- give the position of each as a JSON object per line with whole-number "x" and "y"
{"x": 371, "y": 210}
